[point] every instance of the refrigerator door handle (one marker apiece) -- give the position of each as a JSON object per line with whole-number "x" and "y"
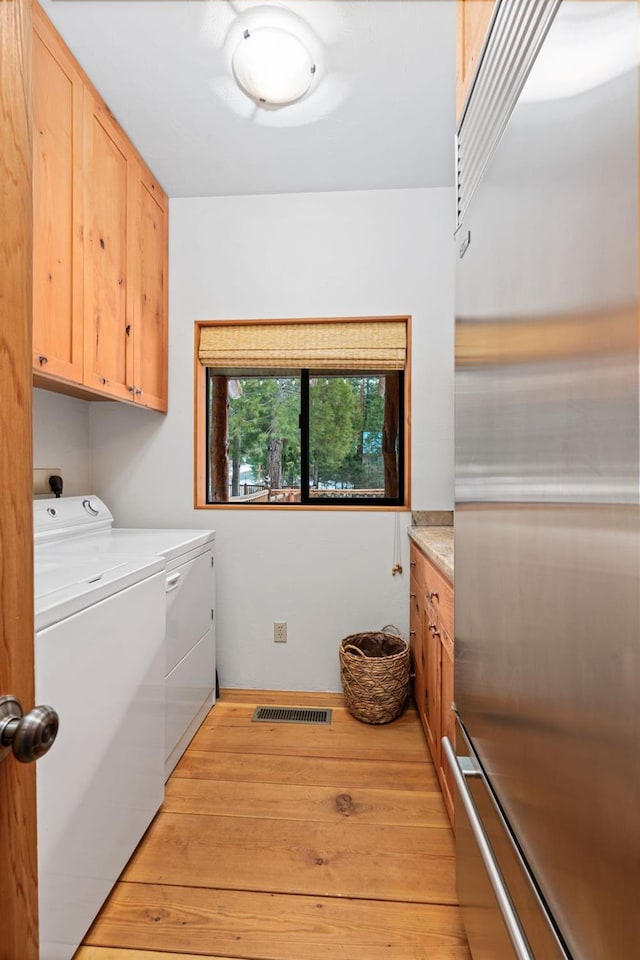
{"x": 514, "y": 930}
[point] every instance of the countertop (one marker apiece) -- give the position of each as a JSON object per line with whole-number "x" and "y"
{"x": 437, "y": 544}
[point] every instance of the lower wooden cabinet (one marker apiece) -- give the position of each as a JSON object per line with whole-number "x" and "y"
{"x": 432, "y": 659}
{"x": 431, "y": 637}
{"x": 415, "y": 635}
{"x": 447, "y": 720}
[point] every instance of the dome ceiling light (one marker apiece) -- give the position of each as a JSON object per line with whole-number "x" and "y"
{"x": 273, "y": 66}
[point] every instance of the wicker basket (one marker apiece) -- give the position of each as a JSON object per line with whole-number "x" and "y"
{"x": 374, "y": 669}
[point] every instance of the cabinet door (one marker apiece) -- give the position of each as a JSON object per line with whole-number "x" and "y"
{"x": 432, "y": 656}
{"x": 57, "y": 206}
{"x": 416, "y": 640}
{"x": 108, "y": 297}
{"x": 148, "y": 269}
{"x": 447, "y": 721}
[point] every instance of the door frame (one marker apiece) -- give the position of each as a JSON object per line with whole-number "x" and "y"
{"x": 18, "y": 851}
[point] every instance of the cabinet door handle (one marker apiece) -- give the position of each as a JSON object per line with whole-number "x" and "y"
{"x": 104, "y": 381}
{"x": 412, "y": 595}
{"x": 434, "y": 596}
{"x": 138, "y": 392}
{"x": 131, "y": 389}
{"x": 412, "y": 633}
{"x": 412, "y": 563}
{"x": 42, "y": 359}
{"x": 516, "y": 935}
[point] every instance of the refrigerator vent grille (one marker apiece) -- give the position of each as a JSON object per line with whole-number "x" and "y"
{"x": 515, "y": 35}
{"x": 291, "y": 715}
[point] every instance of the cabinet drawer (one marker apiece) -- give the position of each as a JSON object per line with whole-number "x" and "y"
{"x": 417, "y": 561}
{"x": 439, "y": 596}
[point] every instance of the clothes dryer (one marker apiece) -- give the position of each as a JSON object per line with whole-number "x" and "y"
{"x": 99, "y": 657}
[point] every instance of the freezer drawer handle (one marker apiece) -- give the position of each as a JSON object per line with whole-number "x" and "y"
{"x": 509, "y": 916}
{"x": 172, "y": 582}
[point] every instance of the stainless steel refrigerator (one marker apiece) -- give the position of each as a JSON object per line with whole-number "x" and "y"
{"x": 547, "y": 524}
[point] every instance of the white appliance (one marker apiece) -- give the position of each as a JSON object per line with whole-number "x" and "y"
{"x": 99, "y": 657}
{"x": 190, "y": 605}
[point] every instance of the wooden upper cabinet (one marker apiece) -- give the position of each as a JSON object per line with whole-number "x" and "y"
{"x": 57, "y": 205}
{"x": 108, "y": 223}
{"x": 150, "y": 295}
{"x": 100, "y": 242}
{"x": 474, "y": 17}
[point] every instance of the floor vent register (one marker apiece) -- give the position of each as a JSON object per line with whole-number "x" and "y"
{"x": 291, "y": 715}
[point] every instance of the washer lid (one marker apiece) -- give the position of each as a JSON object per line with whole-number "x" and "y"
{"x": 165, "y": 543}
{"x": 66, "y": 586}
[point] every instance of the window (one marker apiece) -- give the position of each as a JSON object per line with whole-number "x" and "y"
{"x": 274, "y": 433}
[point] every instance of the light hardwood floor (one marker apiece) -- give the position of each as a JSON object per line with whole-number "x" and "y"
{"x": 286, "y": 842}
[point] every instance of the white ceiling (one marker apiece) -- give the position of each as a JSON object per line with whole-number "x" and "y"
{"x": 379, "y": 115}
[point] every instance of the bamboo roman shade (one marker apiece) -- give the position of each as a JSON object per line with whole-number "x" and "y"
{"x": 315, "y": 345}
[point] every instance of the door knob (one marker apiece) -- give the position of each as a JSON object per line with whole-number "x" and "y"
{"x": 29, "y": 736}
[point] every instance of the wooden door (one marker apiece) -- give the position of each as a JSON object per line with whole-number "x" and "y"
{"x": 57, "y": 205}
{"x": 18, "y": 860}
{"x": 109, "y": 200}
{"x": 148, "y": 267}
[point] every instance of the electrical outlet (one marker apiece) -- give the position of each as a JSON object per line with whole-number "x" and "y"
{"x": 41, "y": 480}
{"x": 279, "y": 631}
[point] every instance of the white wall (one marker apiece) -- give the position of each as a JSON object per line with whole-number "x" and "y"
{"x": 61, "y": 438}
{"x": 306, "y": 255}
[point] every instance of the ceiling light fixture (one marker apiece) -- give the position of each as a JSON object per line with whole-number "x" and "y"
{"x": 273, "y": 66}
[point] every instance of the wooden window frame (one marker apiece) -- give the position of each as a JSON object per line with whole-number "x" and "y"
{"x": 200, "y": 426}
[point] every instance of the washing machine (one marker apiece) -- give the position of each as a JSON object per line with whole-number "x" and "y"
{"x": 100, "y": 662}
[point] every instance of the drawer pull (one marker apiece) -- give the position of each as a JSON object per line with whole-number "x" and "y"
{"x": 412, "y": 595}
{"x": 172, "y": 582}
{"x": 434, "y": 596}
{"x": 516, "y": 935}
{"x": 412, "y": 563}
